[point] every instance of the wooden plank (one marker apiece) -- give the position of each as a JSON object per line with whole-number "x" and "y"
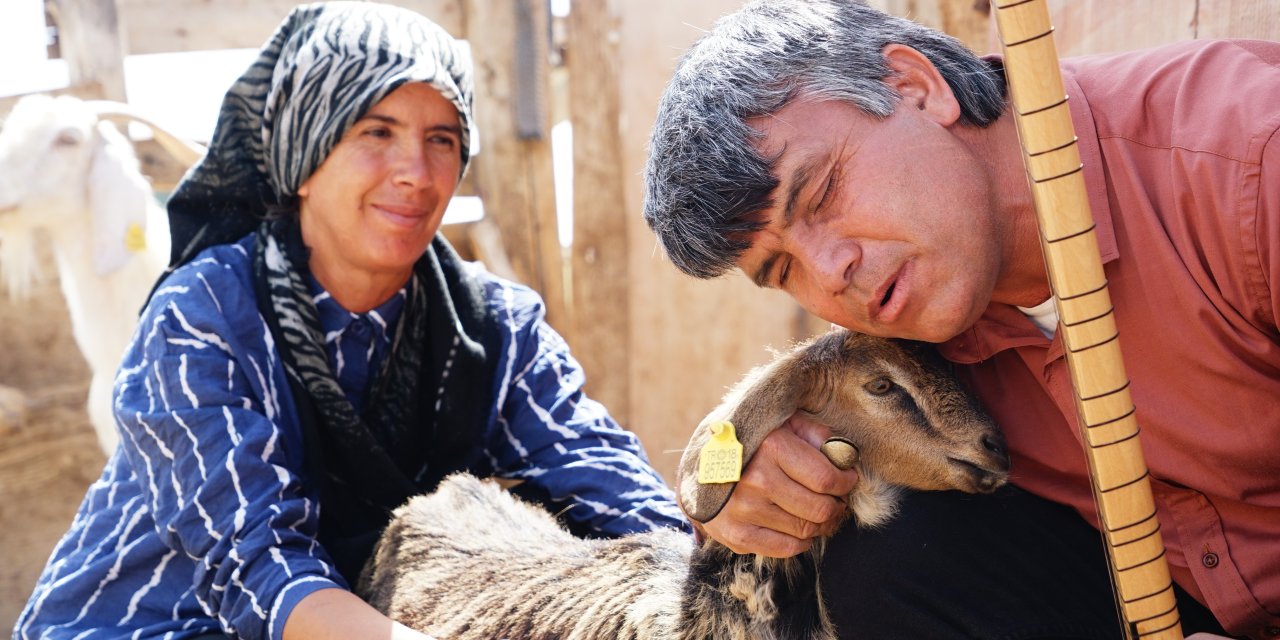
{"x": 89, "y": 37}
{"x": 1081, "y": 27}
{"x": 1102, "y": 26}
{"x": 969, "y": 21}
{"x": 1258, "y": 19}
{"x": 600, "y": 275}
{"x": 513, "y": 171}
{"x": 160, "y": 167}
{"x": 159, "y": 26}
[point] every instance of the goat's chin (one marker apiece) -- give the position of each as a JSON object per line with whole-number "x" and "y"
{"x": 972, "y": 478}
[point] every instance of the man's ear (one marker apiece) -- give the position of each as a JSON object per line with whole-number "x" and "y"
{"x": 920, "y": 84}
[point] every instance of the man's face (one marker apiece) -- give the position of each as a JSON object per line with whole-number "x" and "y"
{"x": 884, "y": 227}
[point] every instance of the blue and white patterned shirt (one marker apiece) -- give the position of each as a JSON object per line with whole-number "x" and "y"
{"x": 205, "y": 521}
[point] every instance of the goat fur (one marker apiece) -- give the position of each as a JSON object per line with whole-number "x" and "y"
{"x": 471, "y": 561}
{"x": 68, "y": 175}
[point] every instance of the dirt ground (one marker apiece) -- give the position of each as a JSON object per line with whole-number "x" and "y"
{"x": 48, "y": 452}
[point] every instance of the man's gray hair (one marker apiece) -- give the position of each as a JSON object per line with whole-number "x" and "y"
{"x": 705, "y": 183}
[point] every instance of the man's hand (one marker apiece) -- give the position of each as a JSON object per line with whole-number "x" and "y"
{"x": 789, "y": 494}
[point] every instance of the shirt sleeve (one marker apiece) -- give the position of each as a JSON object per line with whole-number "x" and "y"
{"x": 551, "y": 434}
{"x": 199, "y": 403}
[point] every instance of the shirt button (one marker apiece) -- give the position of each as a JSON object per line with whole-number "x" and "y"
{"x": 1209, "y": 560}
{"x": 1272, "y": 631}
{"x": 360, "y": 326}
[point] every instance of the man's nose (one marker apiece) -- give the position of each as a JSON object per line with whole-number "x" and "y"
{"x": 834, "y": 262}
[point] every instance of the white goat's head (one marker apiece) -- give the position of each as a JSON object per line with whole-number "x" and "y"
{"x": 62, "y": 168}
{"x": 912, "y": 423}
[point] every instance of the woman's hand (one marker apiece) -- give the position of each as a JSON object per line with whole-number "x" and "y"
{"x": 339, "y": 614}
{"x": 789, "y": 494}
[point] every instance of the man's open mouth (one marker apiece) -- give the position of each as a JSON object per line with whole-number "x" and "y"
{"x": 888, "y": 294}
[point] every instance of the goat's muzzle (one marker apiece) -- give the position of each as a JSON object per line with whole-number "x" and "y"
{"x": 990, "y": 469}
{"x": 981, "y": 479}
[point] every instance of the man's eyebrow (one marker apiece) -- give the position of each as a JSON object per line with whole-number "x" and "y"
{"x": 799, "y": 179}
{"x": 762, "y": 273}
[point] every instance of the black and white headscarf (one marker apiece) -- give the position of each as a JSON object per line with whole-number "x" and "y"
{"x": 323, "y": 68}
{"x": 326, "y": 64}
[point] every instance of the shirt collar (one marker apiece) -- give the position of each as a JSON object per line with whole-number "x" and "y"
{"x": 334, "y": 318}
{"x": 1001, "y": 327}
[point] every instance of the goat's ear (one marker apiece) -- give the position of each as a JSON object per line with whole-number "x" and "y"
{"x": 117, "y": 195}
{"x": 760, "y": 403}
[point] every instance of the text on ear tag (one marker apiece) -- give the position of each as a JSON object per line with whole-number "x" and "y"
{"x": 721, "y": 458}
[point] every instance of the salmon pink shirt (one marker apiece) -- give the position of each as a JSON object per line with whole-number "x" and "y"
{"x": 1182, "y": 162}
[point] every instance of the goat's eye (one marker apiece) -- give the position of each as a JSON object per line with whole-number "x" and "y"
{"x": 68, "y": 138}
{"x": 879, "y": 386}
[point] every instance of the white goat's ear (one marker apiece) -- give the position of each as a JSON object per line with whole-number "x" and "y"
{"x": 117, "y": 194}
{"x": 760, "y": 403}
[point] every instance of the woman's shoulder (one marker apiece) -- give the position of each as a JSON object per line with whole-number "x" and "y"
{"x": 219, "y": 277}
{"x": 507, "y": 299}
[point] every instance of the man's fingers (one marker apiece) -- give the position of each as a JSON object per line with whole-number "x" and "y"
{"x": 776, "y": 511}
{"x": 804, "y": 464}
{"x": 811, "y": 431}
{"x": 786, "y": 505}
{"x": 789, "y": 494}
{"x": 754, "y": 537}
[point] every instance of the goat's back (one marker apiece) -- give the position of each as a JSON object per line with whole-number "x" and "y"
{"x": 472, "y": 561}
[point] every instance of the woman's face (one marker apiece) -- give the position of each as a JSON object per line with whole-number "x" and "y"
{"x": 371, "y": 209}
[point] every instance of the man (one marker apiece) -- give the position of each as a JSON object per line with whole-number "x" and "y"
{"x": 870, "y": 168}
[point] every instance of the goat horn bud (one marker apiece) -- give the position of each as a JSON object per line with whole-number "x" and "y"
{"x": 842, "y": 453}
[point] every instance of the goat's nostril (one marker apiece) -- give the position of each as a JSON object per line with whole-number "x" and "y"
{"x": 995, "y": 444}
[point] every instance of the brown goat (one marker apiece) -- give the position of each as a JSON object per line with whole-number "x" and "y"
{"x": 470, "y": 561}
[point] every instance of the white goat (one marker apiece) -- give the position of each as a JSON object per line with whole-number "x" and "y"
{"x": 470, "y": 561}
{"x": 67, "y": 173}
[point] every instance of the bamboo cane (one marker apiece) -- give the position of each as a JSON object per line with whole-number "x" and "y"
{"x": 1117, "y": 469}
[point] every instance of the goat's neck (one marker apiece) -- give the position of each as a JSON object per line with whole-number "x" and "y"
{"x": 97, "y": 302}
{"x": 772, "y": 598}
{"x": 873, "y": 501}
{"x": 728, "y": 595}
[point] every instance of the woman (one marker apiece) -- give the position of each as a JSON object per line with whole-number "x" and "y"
{"x": 294, "y": 380}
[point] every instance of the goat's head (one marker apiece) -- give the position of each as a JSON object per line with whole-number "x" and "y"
{"x": 64, "y": 169}
{"x": 46, "y": 148}
{"x": 912, "y": 423}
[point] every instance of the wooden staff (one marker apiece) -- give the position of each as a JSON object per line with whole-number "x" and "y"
{"x": 1117, "y": 469}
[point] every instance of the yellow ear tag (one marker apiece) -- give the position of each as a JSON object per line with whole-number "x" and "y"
{"x": 721, "y": 458}
{"x": 135, "y": 238}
